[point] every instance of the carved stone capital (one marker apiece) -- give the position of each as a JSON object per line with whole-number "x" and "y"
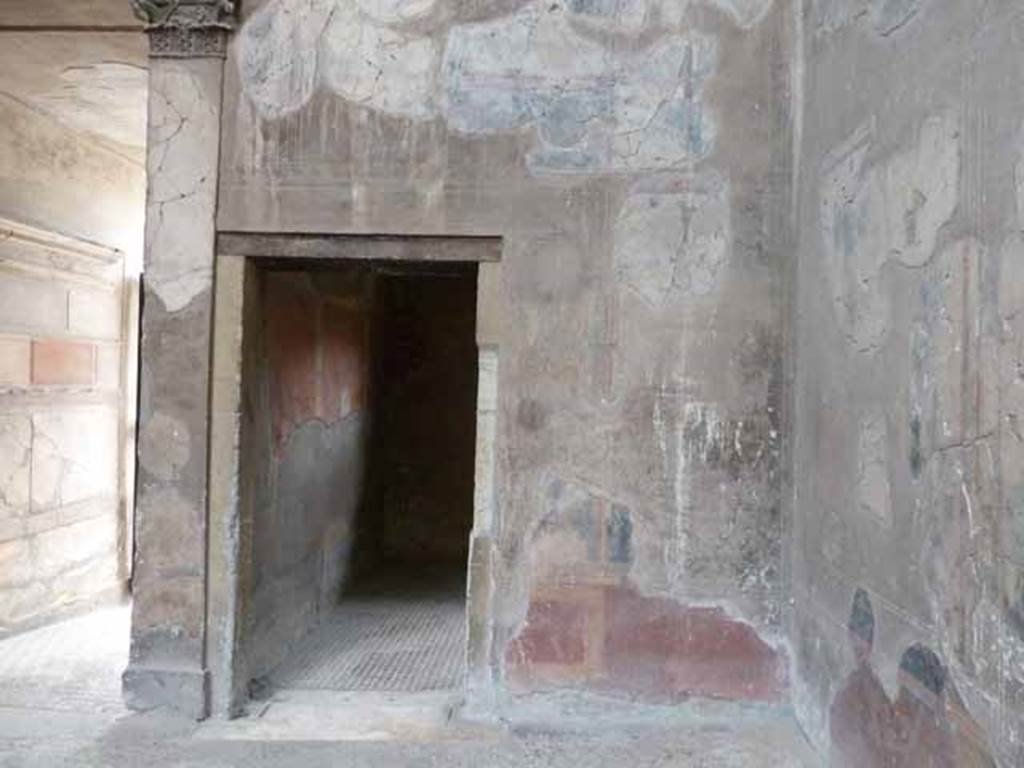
{"x": 186, "y": 29}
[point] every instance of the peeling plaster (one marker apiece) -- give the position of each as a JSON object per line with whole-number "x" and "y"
{"x": 594, "y": 109}
{"x": 873, "y": 481}
{"x": 74, "y": 456}
{"x": 15, "y": 463}
{"x": 672, "y": 238}
{"x": 620, "y": 275}
{"x": 396, "y": 11}
{"x": 594, "y": 106}
{"x": 876, "y": 213}
{"x": 278, "y": 83}
{"x": 637, "y": 15}
{"x": 182, "y": 185}
{"x": 378, "y": 66}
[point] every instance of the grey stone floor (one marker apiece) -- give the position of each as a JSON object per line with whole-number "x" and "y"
{"x": 58, "y": 708}
{"x": 72, "y": 666}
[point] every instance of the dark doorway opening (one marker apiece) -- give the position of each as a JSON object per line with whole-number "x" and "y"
{"x": 358, "y": 446}
{"x": 414, "y": 525}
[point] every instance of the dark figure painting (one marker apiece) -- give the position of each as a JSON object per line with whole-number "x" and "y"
{"x": 922, "y": 737}
{"x": 861, "y": 716}
{"x": 927, "y": 726}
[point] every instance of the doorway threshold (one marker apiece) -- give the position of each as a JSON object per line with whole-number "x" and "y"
{"x": 321, "y": 715}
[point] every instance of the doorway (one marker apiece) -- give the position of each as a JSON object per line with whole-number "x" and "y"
{"x": 357, "y": 453}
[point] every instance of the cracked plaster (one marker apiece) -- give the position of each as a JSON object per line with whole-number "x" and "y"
{"x": 602, "y": 107}
{"x": 911, "y": 254}
{"x": 885, "y": 17}
{"x": 873, "y": 482}
{"x": 183, "y": 130}
{"x": 15, "y": 466}
{"x": 876, "y": 213}
{"x": 74, "y": 456}
{"x": 672, "y": 238}
{"x": 561, "y": 127}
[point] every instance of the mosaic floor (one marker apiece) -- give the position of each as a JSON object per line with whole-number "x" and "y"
{"x": 378, "y": 643}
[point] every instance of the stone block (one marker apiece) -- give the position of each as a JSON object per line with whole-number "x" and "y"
{"x": 16, "y": 565}
{"x": 94, "y": 314}
{"x": 60, "y": 549}
{"x": 63, "y": 363}
{"x": 108, "y": 366}
{"x": 44, "y": 521}
{"x": 74, "y": 457}
{"x": 34, "y": 305}
{"x": 11, "y": 528}
{"x": 84, "y": 581}
{"x": 19, "y": 605}
{"x": 182, "y": 690}
{"x": 15, "y": 463}
{"x": 88, "y": 509}
{"x": 15, "y": 361}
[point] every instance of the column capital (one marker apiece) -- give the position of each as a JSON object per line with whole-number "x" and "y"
{"x": 186, "y": 29}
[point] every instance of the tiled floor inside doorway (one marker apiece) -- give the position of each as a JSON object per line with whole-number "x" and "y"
{"x": 382, "y": 643}
{"x": 395, "y": 630}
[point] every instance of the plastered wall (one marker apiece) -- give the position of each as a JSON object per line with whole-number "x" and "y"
{"x": 305, "y": 390}
{"x": 908, "y": 395}
{"x": 635, "y": 160}
{"x": 70, "y": 224}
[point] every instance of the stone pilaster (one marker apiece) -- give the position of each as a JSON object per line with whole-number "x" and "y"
{"x": 188, "y": 39}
